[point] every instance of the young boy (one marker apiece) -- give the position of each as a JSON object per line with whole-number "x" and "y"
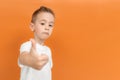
{"x": 35, "y": 58}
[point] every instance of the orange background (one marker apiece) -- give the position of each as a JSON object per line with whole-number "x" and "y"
{"x": 85, "y": 42}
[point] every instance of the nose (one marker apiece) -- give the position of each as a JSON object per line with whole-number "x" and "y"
{"x": 46, "y": 27}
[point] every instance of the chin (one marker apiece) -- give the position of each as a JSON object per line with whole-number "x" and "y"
{"x": 44, "y": 38}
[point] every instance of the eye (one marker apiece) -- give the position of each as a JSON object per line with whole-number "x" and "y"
{"x": 50, "y": 25}
{"x": 42, "y": 23}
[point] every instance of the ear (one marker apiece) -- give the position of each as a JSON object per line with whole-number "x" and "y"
{"x": 32, "y": 27}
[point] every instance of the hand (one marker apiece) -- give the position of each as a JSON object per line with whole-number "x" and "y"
{"x": 37, "y": 61}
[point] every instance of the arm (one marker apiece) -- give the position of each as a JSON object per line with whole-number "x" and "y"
{"x": 32, "y": 59}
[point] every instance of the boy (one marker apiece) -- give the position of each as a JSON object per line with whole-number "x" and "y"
{"x": 35, "y": 58}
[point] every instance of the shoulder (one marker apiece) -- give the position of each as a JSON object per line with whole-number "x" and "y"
{"x": 28, "y": 43}
{"x": 25, "y": 46}
{"x": 47, "y": 48}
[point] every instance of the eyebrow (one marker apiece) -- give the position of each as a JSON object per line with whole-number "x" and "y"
{"x": 46, "y": 21}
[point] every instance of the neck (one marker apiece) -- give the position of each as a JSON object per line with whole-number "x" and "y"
{"x": 40, "y": 41}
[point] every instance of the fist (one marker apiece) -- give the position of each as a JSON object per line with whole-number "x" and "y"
{"x": 37, "y": 61}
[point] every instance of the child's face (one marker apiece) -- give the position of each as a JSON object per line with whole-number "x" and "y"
{"x": 43, "y": 25}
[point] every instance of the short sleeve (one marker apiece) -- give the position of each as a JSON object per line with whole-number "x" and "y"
{"x": 24, "y": 47}
{"x": 50, "y": 54}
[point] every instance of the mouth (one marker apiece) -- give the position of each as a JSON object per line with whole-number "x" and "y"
{"x": 46, "y": 33}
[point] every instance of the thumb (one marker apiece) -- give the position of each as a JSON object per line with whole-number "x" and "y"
{"x": 33, "y": 44}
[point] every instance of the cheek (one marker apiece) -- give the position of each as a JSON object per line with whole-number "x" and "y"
{"x": 51, "y": 31}
{"x": 38, "y": 29}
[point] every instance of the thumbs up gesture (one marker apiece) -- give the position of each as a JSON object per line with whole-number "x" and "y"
{"x": 37, "y": 61}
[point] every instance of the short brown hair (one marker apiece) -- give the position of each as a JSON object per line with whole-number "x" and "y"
{"x": 41, "y": 9}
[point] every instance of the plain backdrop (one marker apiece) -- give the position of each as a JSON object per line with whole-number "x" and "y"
{"x": 85, "y": 42}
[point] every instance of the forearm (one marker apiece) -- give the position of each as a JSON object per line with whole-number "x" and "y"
{"x": 25, "y": 59}
{"x": 35, "y": 62}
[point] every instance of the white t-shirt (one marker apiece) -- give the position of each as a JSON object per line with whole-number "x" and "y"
{"x": 28, "y": 73}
